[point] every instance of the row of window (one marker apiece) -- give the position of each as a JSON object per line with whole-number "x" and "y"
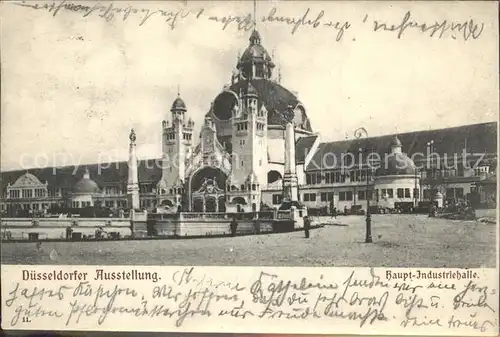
{"x": 460, "y": 172}
{"x": 242, "y": 126}
{"x": 35, "y": 206}
{"x": 401, "y": 193}
{"x": 187, "y": 136}
{"x": 253, "y": 187}
{"x": 75, "y": 204}
{"x": 336, "y": 177}
{"x": 82, "y": 204}
{"x": 119, "y": 203}
{"x": 27, "y": 193}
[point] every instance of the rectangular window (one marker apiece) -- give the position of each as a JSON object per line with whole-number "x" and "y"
{"x": 400, "y": 193}
{"x": 407, "y": 193}
{"x": 348, "y": 196}
{"x": 276, "y": 199}
{"x": 27, "y": 193}
{"x": 330, "y": 196}
{"x": 361, "y": 195}
{"x": 323, "y": 196}
{"x": 312, "y": 197}
{"x": 341, "y": 196}
{"x": 390, "y": 193}
{"x": 306, "y": 196}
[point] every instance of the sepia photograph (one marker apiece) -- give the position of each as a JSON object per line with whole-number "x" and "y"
{"x": 264, "y": 133}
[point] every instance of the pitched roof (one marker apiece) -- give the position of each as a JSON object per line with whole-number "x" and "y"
{"x": 103, "y": 174}
{"x": 476, "y": 138}
{"x": 302, "y": 147}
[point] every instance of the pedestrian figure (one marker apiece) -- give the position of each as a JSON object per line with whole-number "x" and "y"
{"x": 234, "y": 226}
{"x": 334, "y": 213}
{"x": 257, "y": 226}
{"x": 345, "y": 210}
{"x": 307, "y": 226}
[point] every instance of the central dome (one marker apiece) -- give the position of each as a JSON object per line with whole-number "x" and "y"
{"x": 274, "y": 96}
{"x": 86, "y": 186}
{"x": 255, "y": 52}
{"x": 396, "y": 164}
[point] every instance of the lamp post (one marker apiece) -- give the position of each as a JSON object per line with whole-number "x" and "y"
{"x": 360, "y": 133}
{"x": 368, "y": 219}
{"x": 368, "y": 237}
{"x": 430, "y": 146}
{"x": 415, "y": 195}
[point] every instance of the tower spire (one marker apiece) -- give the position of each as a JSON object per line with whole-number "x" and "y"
{"x": 255, "y": 14}
{"x": 178, "y": 90}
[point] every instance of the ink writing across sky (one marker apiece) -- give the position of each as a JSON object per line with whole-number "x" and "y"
{"x": 177, "y": 13}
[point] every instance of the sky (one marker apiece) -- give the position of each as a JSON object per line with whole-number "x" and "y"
{"x": 73, "y": 85}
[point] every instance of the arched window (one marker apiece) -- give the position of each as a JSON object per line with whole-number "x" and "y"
{"x": 254, "y": 187}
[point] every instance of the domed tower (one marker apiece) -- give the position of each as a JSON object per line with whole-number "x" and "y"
{"x": 396, "y": 182}
{"x": 177, "y": 149}
{"x": 249, "y": 156}
{"x": 255, "y": 63}
{"x": 85, "y": 192}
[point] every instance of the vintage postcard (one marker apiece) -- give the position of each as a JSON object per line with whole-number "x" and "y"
{"x": 250, "y": 167}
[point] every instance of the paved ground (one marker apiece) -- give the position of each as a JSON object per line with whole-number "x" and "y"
{"x": 398, "y": 241}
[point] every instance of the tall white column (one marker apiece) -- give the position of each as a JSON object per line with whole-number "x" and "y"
{"x": 290, "y": 148}
{"x": 133, "y": 181}
{"x": 290, "y": 181}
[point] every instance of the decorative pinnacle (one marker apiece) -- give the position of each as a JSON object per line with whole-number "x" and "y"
{"x": 132, "y": 136}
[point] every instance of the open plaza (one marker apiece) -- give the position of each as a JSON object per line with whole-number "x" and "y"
{"x": 399, "y": 240}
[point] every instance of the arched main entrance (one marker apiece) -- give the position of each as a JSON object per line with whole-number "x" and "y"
{"x": 197, "y": 205}
{"x": 210, "y": 204}
{"x": 206, "y": 190}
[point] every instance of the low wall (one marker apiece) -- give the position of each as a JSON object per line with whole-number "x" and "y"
{"x": 208, "y": 227}
{"x": 63, "y": 222}
{"x": 55, "y": 228}
{"x": 179, "y": 225}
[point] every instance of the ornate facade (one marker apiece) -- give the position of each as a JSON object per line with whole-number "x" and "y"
{"x": 252, "y": 128}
